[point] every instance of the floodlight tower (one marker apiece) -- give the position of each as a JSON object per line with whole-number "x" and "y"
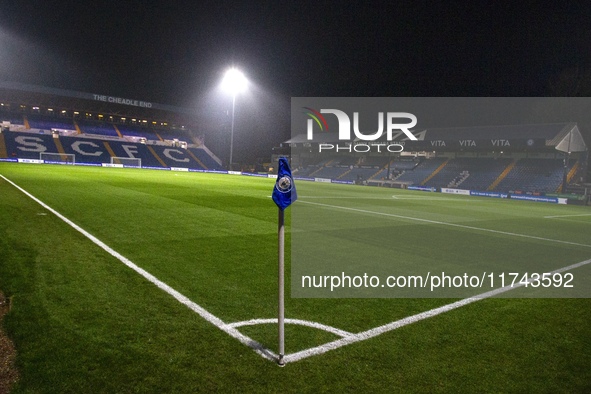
{"x": 234, "y": 82}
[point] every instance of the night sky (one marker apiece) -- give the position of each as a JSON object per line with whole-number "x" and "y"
{"x": 175, "y": 52}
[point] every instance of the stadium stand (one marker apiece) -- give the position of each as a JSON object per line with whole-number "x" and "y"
{"x": 526, "y": 174}
{"x": 535, "y": 175}
{"x": 137, "y": 131}
{"x": 521, "y": 157}
{"x": 479, "y": 173}
{"x": 49, "y": 123}
{"x": 469, "y": 158}
{"x": 330, "y": 172}
{"x": 26, "y": 145}
{"x": 14, "y": 120}
{"x": 303, "y": 172}
{"x": 404, "y": 165}
{"x": 205, "y": 158}
{"x": 345, "y": 161}
{"x": 422, "y": 171}
{"x": 374, "y": 161}
{"x": 359, "y": 173}
{"x": 174, "y": 134}
{"x": 98, "y": 129}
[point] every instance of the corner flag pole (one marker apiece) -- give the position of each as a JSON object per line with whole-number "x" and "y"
{"x": 281, "y": 282}
{"x": 284, "y": 193}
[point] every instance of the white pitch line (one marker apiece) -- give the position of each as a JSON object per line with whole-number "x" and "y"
{"x": 233, "y": 332}
{"x": 306, "y": 323}
{"x": 374, "y": 332}
{"x": 396, "y": 197}
{"x": 566, "y": 216}
{"x": 446, "y": 224}
{"x": 347, "y": 198}
{"x": 230, "y": 329}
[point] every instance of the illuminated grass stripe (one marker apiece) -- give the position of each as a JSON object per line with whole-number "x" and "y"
{"x": 365, "y": 211}
{"x": 233, "y": 332}
{"x": 347, "y": 337}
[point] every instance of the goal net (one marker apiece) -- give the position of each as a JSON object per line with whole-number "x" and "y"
{"x": 61, "y": 158}
{"x": 127, "y": 161}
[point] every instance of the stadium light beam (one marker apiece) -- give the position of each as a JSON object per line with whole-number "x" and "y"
{"x": 234, "y": 82}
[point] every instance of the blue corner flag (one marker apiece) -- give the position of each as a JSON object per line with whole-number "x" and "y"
{"x": 284, "y": 192}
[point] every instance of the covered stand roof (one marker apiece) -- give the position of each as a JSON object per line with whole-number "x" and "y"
{"x": 93, "y": 102}
{"x": 565, "y": 137}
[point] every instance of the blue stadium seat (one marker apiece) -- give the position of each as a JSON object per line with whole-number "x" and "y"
{"x": 48, "y": 123}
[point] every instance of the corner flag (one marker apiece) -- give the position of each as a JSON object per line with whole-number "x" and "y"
{"x": 284, "y": 192}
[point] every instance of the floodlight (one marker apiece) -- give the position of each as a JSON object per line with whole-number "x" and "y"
{"x": 234, "y": 81}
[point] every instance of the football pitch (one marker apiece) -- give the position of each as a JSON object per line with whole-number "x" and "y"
{"x": 129, "y": 280}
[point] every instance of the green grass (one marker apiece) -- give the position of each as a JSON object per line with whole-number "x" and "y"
{"x": 83, "y": 322}
{"x": 416, "y": 232}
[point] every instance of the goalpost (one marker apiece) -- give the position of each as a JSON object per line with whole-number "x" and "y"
{"x": 61, "y": 158}
{"x": 127, "y": 161}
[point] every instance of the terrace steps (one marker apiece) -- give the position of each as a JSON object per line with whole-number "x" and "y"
{"x": 117, "y": 131}
{"x": 153, "y": 152}
{"x": 435, "y": 172}
{"x": 572, "y": 172}
{"x": 503, "y": 175}
{"x": 197, "y": 159}
{"x": 111, "y": 152}
{"x": 59, "y": 146}
{"x": 345, "y": 173}
{"x": 569, "y": 177}
{"x": 78, "y": 129}
{"x": 385, "y": 167}
{"x": 320, "y": 168}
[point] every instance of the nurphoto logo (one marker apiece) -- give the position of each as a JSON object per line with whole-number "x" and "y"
{"x": 393, "y": 130}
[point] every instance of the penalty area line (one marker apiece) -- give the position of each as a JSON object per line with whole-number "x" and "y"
{"x": 216, "y": 321}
